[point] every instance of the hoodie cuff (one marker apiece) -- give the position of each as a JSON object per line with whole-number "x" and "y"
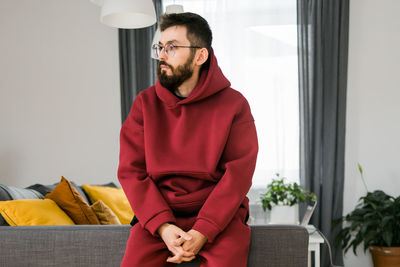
{"x": 154, "y": 223}
{"x": 207, "y": 228}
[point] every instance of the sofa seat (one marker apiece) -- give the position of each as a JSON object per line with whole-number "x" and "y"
{"x": 104, "y": 245}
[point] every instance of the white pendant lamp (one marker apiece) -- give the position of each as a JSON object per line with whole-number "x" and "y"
{"x": 127, "y": 14}
{"x": 174, "y": 9}
{"x": 157, "y": 35}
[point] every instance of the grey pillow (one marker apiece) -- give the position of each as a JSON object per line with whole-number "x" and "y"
{"x": 44, "y": 189}
{"x": 4, "y": 196}
{"x": 110, "y": 184}
{"x": 21, "y": 193}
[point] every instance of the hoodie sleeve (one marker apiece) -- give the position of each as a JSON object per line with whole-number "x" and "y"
{"x": 144, "y": 197}
{"x": 238, "y": 161}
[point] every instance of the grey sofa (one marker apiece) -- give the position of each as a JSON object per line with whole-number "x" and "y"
{"x": 103, "y": 245}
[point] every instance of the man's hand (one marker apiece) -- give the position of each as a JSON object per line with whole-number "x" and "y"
{"x": 195, "y": 244}
{"x": 170, "y": 234}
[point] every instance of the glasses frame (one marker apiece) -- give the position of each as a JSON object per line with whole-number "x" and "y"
{"x": 156, "y": 48}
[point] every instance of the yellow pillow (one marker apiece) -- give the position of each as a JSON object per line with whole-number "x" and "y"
{"x": 114, "y": 198}
{"x": 104, "y": 213}
{"x": 33, "y": 212}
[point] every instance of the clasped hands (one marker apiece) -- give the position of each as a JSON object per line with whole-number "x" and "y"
{"x": 183, "y": 245}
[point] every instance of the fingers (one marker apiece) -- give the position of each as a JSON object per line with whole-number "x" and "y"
{"x": 178, "y": 241}
{"x": 180, "y": 255}
{"x": 179, "y": 259}
{"x": 175, "y": 246}
{"x": 187, "y": 247}
{"x": 181, "y": 240}
{"x": 187, "y": 254}
{"x": 179, "y": 251}
{"x": 185, "y": 235}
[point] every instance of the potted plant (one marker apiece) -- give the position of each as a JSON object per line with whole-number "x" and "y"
{"x": 282, "y": 199}
{"x": 375, "y": 222}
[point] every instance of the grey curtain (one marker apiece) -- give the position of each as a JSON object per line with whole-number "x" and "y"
{"x": 323, "y": 47}
{"x": 137, "y": 68}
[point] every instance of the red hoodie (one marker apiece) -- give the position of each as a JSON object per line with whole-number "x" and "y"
{"x": 194, "y": 156}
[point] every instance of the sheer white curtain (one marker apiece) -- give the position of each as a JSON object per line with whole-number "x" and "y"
{"x": 255, "y": 43}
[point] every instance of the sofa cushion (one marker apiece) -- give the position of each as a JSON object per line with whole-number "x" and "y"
{"x": 11, "y": 192}
{"x": 104, "y": 213}
{"x": 21, "y": 193}
{"x": 114, "y": 198}
{"x": 110, "y": 184}
{"x": 44, "y": 189}
{"x": 69, "y": 200}
{"x": 30, "y": 212}
{"x": 3, "y": 197}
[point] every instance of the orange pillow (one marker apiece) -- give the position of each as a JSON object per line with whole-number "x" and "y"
{"x": 68, "y": 199}
{"x": 104, "y": 213}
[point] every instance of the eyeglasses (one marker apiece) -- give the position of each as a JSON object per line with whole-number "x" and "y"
{"x": 169, "y": 49}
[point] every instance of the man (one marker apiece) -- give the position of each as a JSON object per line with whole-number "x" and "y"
{"x": 188, "y": 153}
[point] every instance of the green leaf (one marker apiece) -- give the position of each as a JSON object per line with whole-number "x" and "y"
{"x": 387, "y": 237}
{"x": 375, "y": 220}
{"x": 386, "y": 220}
{"x": 370, "y": 237}
{"x": 360, "y": 168}
{"x": 281, "y": 193}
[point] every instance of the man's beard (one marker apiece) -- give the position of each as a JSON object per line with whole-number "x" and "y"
{"x": 179, "y": 74}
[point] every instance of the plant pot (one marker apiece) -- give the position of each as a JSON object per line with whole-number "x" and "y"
{"x": 284, "y": 215}
{"x": 385, "y": 256}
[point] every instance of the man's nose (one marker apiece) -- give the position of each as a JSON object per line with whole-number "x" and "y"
{"x": 162, "y": 55}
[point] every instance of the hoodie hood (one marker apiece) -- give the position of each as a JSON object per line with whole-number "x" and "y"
{"x": 211, "y": 81}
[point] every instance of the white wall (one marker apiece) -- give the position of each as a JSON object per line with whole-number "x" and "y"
{"x": 373, "y": 110}
{"x": 59, "y": 93}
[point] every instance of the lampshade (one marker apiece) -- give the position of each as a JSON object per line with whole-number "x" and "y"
{"x": 127, "y": 14}
{"x": 173, "y": 9}
{"x": 157, "y": 35}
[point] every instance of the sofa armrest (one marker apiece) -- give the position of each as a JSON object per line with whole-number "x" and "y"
{"x": 278, "y": 246}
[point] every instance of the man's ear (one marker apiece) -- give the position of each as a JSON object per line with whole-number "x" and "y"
{"x": 202, "y": 56}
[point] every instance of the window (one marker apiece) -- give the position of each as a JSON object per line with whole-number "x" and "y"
{"x": 255, "y": 43}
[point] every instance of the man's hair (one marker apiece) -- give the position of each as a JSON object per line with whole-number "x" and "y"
{"x": 198, "y": 30}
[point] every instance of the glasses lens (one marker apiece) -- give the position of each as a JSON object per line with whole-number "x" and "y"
{"x": 169, "y": 50}
{"x": 155, "y": 50}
